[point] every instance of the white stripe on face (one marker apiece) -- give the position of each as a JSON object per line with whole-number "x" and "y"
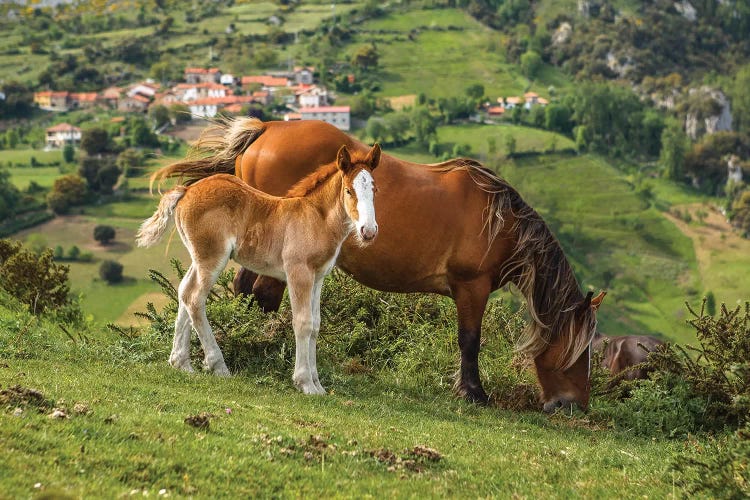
{"x": 364, "y": 187}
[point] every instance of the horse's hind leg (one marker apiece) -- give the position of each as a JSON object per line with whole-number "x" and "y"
{"x": 268, "y": 292}
{"x": 180, "y": 355}
{"x": 195, "y": 301}
{"x": 471, "y": 300}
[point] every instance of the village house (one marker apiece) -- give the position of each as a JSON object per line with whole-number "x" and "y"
{"x": 311, "y": 96}
{"x": 83, "y": 100}
{"x": 146, "y": 89}
{"x": 209, "y": 107}
{"x": 510, "y": 102}
{"x": 50, "y": 100}
{"x": 187, "y": 92}
{"x": 338, "y": 116}
{"x": 133, "y": 103}
{"x": 111, "y": 96}
{"x": 303, "y": 75}
{"x": 202, "y": 75}
{"x": 62, "y": 134}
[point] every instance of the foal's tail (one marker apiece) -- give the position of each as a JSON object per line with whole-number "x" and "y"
{"x": 152, "y": 230}
{"x": 215, "y": 151}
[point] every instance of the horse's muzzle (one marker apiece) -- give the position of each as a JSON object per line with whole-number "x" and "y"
{"x": 563, "y": 404}
{"x": 368, "y": 234}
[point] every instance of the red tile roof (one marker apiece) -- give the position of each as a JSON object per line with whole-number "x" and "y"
{"x": 84, "y": 96}
{"x": 267, "y": 81}
{"x": 63, "y": 127}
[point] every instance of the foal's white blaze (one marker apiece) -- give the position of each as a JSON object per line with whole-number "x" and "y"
{"x": 367, "y": 227}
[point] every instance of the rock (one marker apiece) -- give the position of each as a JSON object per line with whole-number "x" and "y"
{"x": 562, "y": 34}
{"x": 699, "y": 122}
{"x": 687, "y": 10}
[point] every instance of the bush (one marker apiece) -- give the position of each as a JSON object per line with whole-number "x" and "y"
{"x": 104, "y": 234}
{"x": 719, "y": 470}
{"x": 409, "y": 337}
{"x": 111, "y": 271}
{"x": 67, "y": 191}
{"x": 35, "y": 280}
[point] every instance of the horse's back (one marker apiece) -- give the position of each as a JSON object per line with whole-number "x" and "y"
{"x": 620, "y": 353}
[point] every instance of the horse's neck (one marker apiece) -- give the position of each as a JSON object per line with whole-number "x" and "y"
{"x": 326, "y": 200}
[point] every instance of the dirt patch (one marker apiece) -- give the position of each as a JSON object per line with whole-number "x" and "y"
{"x": 18, "y": 396}
{"x": 400, "y": 102}
{"x": 712, "y": 236}
{"x": 199, "y": 421}
{"x": 413, "y": 460}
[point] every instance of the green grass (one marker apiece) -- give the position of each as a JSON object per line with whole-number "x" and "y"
{"x": 435, "y": 62}
{"x": 21, "y": 177}
{"x": 133, "y": 437}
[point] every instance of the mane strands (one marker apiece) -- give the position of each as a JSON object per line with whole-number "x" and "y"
{"x": 312, "y": 181}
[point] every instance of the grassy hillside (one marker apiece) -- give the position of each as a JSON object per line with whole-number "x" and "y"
{"x": 125, "y": 432}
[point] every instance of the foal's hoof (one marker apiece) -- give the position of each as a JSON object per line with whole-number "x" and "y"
{"x": 311, "y": 388}
{"x": 185, "y": 366}
{"x": 222, "y": 372}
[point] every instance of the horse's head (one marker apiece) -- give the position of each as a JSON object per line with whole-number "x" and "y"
{"x": 566, "y": 385}
{"x": 359, "y": 190}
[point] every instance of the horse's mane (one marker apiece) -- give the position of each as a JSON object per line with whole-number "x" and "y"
{"x": 312, "y": 181}
{"x": 538, "y": 266}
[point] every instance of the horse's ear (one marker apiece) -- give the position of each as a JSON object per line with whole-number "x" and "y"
{"x": 597, "y": 301}
{"x": 587, "y": 300}
{"x": 373, "y": 157}
{"x": 343, "y": 159}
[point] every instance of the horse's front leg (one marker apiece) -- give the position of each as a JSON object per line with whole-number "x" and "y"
{"x": 471, "y": 300}
{"x": 313, "y": 354}
{"x": 301, "y": 281}
{"x": 268, "y": 292}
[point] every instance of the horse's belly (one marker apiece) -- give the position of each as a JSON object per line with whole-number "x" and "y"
{"x": 391, "y": 272}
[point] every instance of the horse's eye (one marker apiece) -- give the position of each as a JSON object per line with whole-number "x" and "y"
{"x": 348, "y": 192}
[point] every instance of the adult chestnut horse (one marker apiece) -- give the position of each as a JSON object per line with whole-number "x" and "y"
{"x": 453, "y": 228}
{"x": 624, "y": 355}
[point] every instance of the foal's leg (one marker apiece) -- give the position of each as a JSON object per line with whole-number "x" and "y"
{"x": 313, "y": 353}
{"x": 206, "y": 275}
{"x": 180, "y": 355}
{"x": 301, "y": 283}
{"x": 267, "y": 291}
{"x": 471, "y": 300}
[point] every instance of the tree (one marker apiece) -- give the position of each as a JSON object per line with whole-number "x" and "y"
{"x": 166, "y": 71}
{"x": 142, "y": 135}
{"x": 67, "y": 191}
{"x": 423, "y": 125}
{"x": 12, "y": 138}
{"x": 9, "y": 195}
{"x": 738, "y": 92}
{"x": 475, "y": 91}
{"x": 159, "y": 114}
{"x": 104, "y": 234}
{"x": 18, "y": 100}
{"x": 710, "y": 303}
{"x": 366, "y": 57}
{"x": 95, "y": 141}
{"x": 69, "y": 153}
{"x": 557, "y": 117}
{"x": 376, "y": 129}
{"x": 674, "y": 147}
{"x": 130, "y": 161}
{"x": 107, "y": 178}
{"x": 531, "y": 63}
{"x": 179, "y": 113}
{"x": 510, "y": 145}
{"x": 111, "y": 271}
{"x": 73, "y": 253}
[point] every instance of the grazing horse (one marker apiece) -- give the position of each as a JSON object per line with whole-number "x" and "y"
{"x": 295, "y": 239}
{"x": 452, "y": 228}
{"x": 621, "y": 354}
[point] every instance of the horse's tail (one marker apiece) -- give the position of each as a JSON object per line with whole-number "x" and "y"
{"x": 215, "y": 152}
{"x": 152, "y": 230}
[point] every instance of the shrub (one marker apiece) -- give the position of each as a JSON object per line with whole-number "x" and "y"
{"x": 35, "y": 280}
{"x": 720, "y": 469}
{"x": 409, "y": 337}
{"x": 67, "y": 191}
{"x": 111, "y": 271}
{"x": 74, "y": 252}
{"x": 104, "y": 233}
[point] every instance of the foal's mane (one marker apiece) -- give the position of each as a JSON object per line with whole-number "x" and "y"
{"x": 538, "y": 266}
{"x": 312, "y": 181}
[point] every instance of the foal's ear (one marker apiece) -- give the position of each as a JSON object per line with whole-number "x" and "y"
{"x": 597, "y": 301}
{"x": 373, "y": 157}
{"x": 343, "y": 159}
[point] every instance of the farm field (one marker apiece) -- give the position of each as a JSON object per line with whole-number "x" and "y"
{"x": 368, "y": 436}
{"x": 425, "y": 51}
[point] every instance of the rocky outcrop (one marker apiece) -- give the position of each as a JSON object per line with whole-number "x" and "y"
{"x": 708, "y": 112}
{"x": 687, "y": 10}
{"x": 562, "y": 34}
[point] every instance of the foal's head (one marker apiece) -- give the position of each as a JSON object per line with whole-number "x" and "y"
{"x": 564, "y": 387}
{"x": 359, "y": 190}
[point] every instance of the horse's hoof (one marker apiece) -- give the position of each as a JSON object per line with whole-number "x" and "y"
{"x": 475, "y": 395}
{"x": 185, "y": 366}
{"x": 222, "y": 372}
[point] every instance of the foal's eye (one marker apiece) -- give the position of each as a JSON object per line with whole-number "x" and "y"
{"x": 348, "y": 192}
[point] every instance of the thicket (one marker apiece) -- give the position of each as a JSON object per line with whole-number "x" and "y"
{"x": 36, "y": 280}
{"x": 408, "y": 339}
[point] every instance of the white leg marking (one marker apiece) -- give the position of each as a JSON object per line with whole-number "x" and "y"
{"x": 301, "y": 284}
{"x": 313, "y": 350}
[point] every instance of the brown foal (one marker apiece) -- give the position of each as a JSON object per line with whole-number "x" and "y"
{"x": 295, "y": 239}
